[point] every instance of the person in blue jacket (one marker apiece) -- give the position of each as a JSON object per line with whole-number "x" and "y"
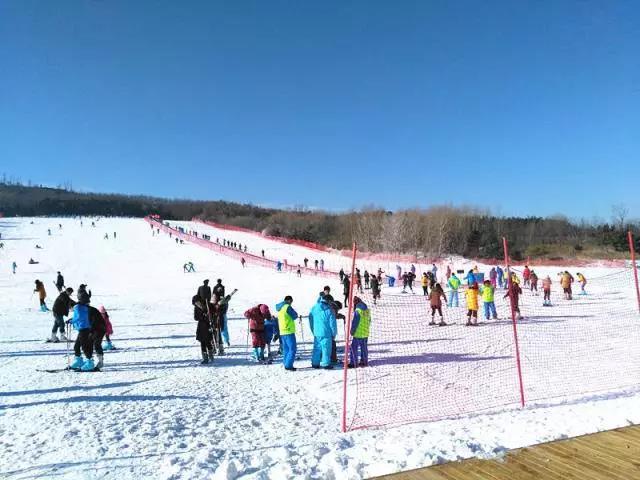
{"x": 81, "y": 321}
{"x": 470, "y": 278}
{"x": 287, "y": 325}
{"x": 322, "y": 321}
{"x": 500, "y": 273}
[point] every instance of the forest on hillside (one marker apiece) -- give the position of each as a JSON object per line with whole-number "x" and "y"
{"x": 431, "y": 232}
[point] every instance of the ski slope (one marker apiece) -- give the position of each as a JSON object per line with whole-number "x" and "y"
{"x": 155, "y": 412}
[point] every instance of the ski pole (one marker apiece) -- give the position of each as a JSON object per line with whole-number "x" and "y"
{"x": 68, "y": 333}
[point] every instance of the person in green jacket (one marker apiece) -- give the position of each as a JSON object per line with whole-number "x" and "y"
{"x": 287, "y": 325}
{"x": 454, "y": 285}
{"x": 488, "y": 292}
{"x": 360, "y": 334}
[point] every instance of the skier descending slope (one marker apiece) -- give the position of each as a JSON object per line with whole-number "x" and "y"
{"x": 287, "y": 325}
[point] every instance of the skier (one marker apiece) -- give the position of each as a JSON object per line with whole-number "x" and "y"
{"x": 405, "y": 282}
{"x": 42, "y": 295}
{"x": 287, "y": 326}
{"x": 375, "y": 288}
{"x": 256, "y": 316}
{"x": 14, "y": 266}
{"x": 1, "y": 245}
{"x": 299, "y": 272}
{"x": 218, "y": 290}
{"x": 360, "y": 326}
{"x": 514, "y": 291}
{"x": 366, "y": 279}
{"x": 322, "y": 321}
{"x": 114, "y": 235}
{"x": 263, "y": 254}
{"x": 336, "y": 307}
{"x": 59, "y": 282}
{"x": 49, "y": 231}
{"x": 500, "y": 274}
{"x": 242, "y": 262}
{"x": 82, "y": 322}
{"x": 106, "y": 236}
{"x": 410, "y": 278}
{"x": 472, "y": 305}
{"x": 98, "y": 331}
{"x": 454, "y": 285}
{"x": 566, "y": 279}
{"x": 437, "y": 294}
{"x": 108, "y": 345}
{"x": 583, "y": 282}
{"x": 488, "y": 294}
{"x": 526, "y": 275}
{"x": 346, "y": 284}
{"x": 533, "y": 282}
{"x": 279, "y": 266}
{"x": 546, "y": 289}
{"x": 425, "y": 284}
{"x": 271, "y": 333}
{"x": 60, "y": 309}
{"x": 204, "y": 332}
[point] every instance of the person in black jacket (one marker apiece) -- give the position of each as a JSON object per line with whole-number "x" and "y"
{"x": 60, "y": 309}
{"x": 59, "y": 282}
{"x": 346, "y": 284}
{"x": 98, "y": 330}
{"x": 204, "y": 293}
{"x": 218, "y": 290}
{"x": 204, "y": 334}
{"x": 84, "y": 295}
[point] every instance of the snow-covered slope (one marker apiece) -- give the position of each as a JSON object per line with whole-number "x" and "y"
{"x": 154, "y": 412}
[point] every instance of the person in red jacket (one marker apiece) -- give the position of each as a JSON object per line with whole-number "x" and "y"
{"x": 256, "y": 316}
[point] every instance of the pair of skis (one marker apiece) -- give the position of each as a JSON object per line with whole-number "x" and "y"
{"x": 214, "y": 327}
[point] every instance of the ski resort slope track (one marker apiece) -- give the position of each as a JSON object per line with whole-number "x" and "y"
{"x": 155, "y": 412}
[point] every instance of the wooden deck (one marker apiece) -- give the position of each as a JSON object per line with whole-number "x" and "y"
{"x": 612, "y": 455}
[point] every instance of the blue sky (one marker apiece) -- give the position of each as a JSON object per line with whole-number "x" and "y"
{"x": 525, "y": 107}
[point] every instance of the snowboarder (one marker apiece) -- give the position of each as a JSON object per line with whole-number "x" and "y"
{"x": 108, "y": 345}
{"x": 546, "y": 289}
{"x": 204, "y": 332}
{"x": 435, "y": 298}
{"x": 322, "y": 321}
{"x": 425, "y": 284}
{"x": 256, "y": 316}
{"x": 59, "y": 282}
{"x": 472, "y": 305}
{"x": 218, "y": 290}
{"x": 287, "y": 326}
{"x": 60, "y": 309}
{"x": 360, "y": 326}
{"x": 488, "y": 294}
{"x": 42, "y": 295}
{"x": 454, "y": 285}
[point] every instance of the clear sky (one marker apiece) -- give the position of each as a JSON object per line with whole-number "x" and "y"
{"x": 526, "y": 107}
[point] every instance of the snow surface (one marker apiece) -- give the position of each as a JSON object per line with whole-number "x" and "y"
{"x": 154, "y": 412}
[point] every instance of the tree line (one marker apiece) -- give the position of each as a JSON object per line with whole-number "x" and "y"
{"x": 432, "y": 232}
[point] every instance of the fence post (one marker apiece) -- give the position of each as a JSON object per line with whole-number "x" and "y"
{"x": 347, "y": 334}
{"x": 513, "y": 319}
{"x": 632, "y": 249}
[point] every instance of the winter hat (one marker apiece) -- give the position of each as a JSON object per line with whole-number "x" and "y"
{"x": 206, "y": 281}
{"x": 264, "y": 309}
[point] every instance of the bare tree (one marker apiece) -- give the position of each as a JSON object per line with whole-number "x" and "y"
{"x": 619, "y": 213}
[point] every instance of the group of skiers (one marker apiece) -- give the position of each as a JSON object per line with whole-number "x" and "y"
{"x": 210, "y": 308}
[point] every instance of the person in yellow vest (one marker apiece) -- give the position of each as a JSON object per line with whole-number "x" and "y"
{"x": 359, "y": 334}
{"x": 472, "y": 304}
{"x": 425, "y": 284}
{"x": 583, "y": 283}
{"x": 488, "y": 293}
{"x": 287, "y": 326}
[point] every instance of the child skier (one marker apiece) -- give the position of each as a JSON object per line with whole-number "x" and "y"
{"x": 472, "y": 304}
{"x": 204, "y": 332}
{"x": 488, "y": 292}
{"x": 81, "y": 321}
{"x": 287, "y": 326}
{"x": 546, "y": 288}
{"x": 583, "y": 282}
{"x": 359, "y": 334}
{"x": 322, "y": 321}
{"x": 514, "y": 291}
{"x": 436, "y": 296}
{"x": 533, "y": 282}
{"x": 42, "y": 295}
{"x": 256, "y": 316}
{"x": 108, "y": 329}
{"x": 425, "y": 284}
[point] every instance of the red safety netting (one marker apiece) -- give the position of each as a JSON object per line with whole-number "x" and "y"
{"x": 249, "y": 258}
{"x": 569, "y": 349}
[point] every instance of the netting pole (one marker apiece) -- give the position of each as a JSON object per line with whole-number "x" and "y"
{"x": 632, "y": 249}
{"x": 347, "y": 334}
{"x": 513, "y": 319}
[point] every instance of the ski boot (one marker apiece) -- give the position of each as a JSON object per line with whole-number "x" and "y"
{"x": 205, "y": 358}
{"x": 442, "y": 323}
{"x": 220, "y": 350}
{"x": 77, "y": 363}
{"x": 43, "y": 308}
{"x": 63, "y": 337}
{"x": 53, "y": 339}
{"x": 432, "y": 322}
{"x": 88, "y": 365}
{"x": 100, "y": 363}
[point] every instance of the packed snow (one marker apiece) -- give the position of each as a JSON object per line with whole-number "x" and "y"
{"x": 155, "y": 412}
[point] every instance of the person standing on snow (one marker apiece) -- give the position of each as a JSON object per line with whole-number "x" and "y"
{"x": 204, "y": 294}
{"x": 375, "y": 287}
{"x": 448, "y": 274}
{"x": 82, "y": 322}
{"x": 533, "y": 282}
{"x": 434, "y": 271}
{"x": 341, "y": 275}
{"x": 546, "y": 289}
{"x": 108, "y": 329}
{"x": 493, "y": 275}
{"x": 204, "y": 333}
{"x": 366, "y": 279}
{"x": 514, "y": 291}
{"x": 59, "y": 282}
{"x": 322, "y": 321}
{"x": 223, "y": 308}
{"x": 360, "y": 326}
{"x": 472, "y": 305}
{"x": 287, "y": 326}
{"x": 526, "y": 275}
{"x": 345, "y": 290}
{"x": 488, "y": 294}
{"x": 454, "y": 285}
{"x": 500, "y": 274}
{"x": 60, "y": 309}
{"x": 218, "y": 290}
{"x": 583, "y": 283}
{"x": 42, "y": 295}
{"x": 435, "y": 298}
{"x": 256, "y": 316}
{"x": 358, "y": 280}
{"x": 425, "y": 284}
